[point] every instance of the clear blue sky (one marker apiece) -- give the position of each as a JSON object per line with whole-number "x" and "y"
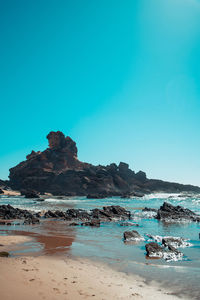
{"x": 122, "y": 78}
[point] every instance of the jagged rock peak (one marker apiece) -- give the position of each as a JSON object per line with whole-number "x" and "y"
{"x": 58, "y": 141}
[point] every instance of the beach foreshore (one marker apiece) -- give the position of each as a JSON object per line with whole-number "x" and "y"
{"x": 60, "y": 277}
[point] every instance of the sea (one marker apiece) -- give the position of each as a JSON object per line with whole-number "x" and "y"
{"x": 105, "y": 244}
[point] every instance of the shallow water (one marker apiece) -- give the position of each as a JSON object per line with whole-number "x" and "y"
{"x": 105, "y": 243}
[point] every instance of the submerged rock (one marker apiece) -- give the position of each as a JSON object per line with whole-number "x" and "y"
{"x": 129, "y": 224}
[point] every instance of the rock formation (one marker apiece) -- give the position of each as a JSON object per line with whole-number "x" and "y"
{"x": 57, "y": 170}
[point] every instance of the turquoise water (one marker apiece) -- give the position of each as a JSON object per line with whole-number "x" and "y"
{"x": 106, "y": 243}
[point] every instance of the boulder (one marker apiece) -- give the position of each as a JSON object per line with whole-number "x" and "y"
{"x": 154, "y": 250}
{"x": 29, "y": 194}
{"x": 132, "y": 236}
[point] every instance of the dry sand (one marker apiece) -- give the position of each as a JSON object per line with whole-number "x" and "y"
{"x": 52, "y": 278}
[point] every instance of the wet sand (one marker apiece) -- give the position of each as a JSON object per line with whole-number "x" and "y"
{"x": 10, "y": 193}
{"x": 60, "y": 277}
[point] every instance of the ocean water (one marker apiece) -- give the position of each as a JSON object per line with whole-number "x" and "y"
{"x": 106, "y": 243}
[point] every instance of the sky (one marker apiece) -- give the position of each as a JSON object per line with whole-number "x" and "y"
{"x": 121, "y": 78}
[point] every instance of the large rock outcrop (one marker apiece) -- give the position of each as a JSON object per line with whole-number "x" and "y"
{"x": 57, "y": 170}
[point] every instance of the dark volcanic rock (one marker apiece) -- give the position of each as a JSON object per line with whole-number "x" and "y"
{"x": 93, "y": 223}
{"x": 111, "y": 212}
{"x": 78, "y": 214}
{"x": 154, "y": 250}
{"x": 149, "y": 209}
{"x": 108, "y": 213}
{"x": 29, "y": 194}
{"x": 8, "y": 212}
{"x": 132, "y": 236}
{"x": 31, "y": 221}
{"x": 1, "y": 191}
{"x": 57, "y": 170}
{"x": 133, "y": 194}
{"x": 169, "y": 212}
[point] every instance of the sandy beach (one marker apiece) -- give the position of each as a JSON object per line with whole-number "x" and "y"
{"x": 56, "y": 277}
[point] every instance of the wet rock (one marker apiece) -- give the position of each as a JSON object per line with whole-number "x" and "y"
{"x": 111, "y": 212}
{"x": 172, "y": 255}
{"x": 154, "y": 250}
{"x": 146, "y": 209}
{"x": 8, "y": 212}
{"x": 133, "y": 194}
{"x": 167, "y": 211}
{"x": 56, "y": 214}
{"x": 31, "y": 221}
{"x": 175, "y": 242}
{"x": 132, "y": 236}
{"x": 50, "y": 214}
{"x": 39, "y": 200}
{"x": 93, "y": 223}
{"x": 4, "y": 254}
{"x": 108, "y": 213}
{"x": 79, "y": 214}
{"x": 2, "y": 223}
{"x": 29, "y": 194}
{"x": 1, "y": 191}
{"x": 167, "y": 241}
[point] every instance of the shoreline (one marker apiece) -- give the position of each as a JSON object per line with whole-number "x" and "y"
{"x": 59, "y": 277}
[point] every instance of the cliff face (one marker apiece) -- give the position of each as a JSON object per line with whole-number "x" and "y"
{"x": 58, "y": 170}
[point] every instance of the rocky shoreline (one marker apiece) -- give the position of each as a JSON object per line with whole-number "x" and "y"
{"x": 156, "y": 246}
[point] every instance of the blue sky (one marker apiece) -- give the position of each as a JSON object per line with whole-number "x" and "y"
{"x": 122, "y": 78}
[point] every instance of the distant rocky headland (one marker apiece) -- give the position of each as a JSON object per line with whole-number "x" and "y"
{"x": 57, "y": 170}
